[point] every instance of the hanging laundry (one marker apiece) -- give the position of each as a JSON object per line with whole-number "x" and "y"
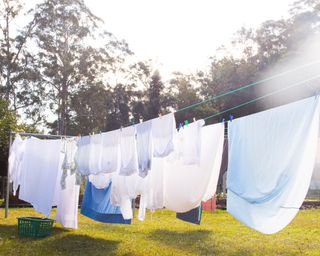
{"x": 193, "y": 216}
{"x": 179, "y": 187}
{"x": 315, "y": 180}
{"x": 100, "y": 180}
{"x": 95, "y": 154}
{"x": 69, "y": 161}
{"x": 40, "y": 167}
{"x": 185, "y": 186}
{"x": 144, "y": 147}
{"x": 110, "y": 155}
{"x": 124, "y": 190}
{"x": 82, "y": 157}
{"x": 128, "y": 149}
{"x": 67, "y": 194}
{"x": 163, "y": 130}
{"x": 67, "y": 203}
{"x": 224, "y": 168}
{"x": 190, "y": 148}
{"x": 15, "y": 159}
{"x": 97, "y": 206}
{"x": 271, "y": 158}
{"x": 152, "y": 196}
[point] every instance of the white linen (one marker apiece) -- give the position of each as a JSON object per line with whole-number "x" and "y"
{"x": 190, "y": 139}
{"x": 95, "y": 154}
{"x": 144, "y": 147}
{"x": 39, "y": 173}
{"x": 82, "y": 157}
{"x": 128, "y": 149}
{"x": 163, "y": 131}
{"x": 185, "y": 185}
{"x": 101, "y": 180}
{"x": 68, "y": 201}
{"x": 15, "y": 158}
{"x": 110, "y": 155}
{"x": 271, "y": 158}
{"x": 315, "y": 180}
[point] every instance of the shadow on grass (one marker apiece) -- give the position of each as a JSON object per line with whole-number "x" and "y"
{"x": 73, "y": 244}
{"x": 191, "y": 241}
{"x": 60, "y": 242}
{"x": 9, "y": 231}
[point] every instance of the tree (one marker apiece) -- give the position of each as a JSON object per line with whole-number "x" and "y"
{"x": 63, "y": 32}
{"x": 8, "y": 121}
{"x": 18, "y": 73}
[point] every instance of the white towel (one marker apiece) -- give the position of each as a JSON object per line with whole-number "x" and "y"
{"x": 163, "y": 130}
{"x": 128, "y": 149}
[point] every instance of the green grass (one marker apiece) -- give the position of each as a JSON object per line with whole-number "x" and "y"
{"x": 162, "y": 234}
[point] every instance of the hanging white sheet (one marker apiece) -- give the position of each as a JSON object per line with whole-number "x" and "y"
{"x": 315, "y": 180}
{"x": 271, "y": 158}
{"x": 40, "y": 168}
{"x": 15, "y": 159}
{"x": 186, "y": 185}
{"x": 181, "y": 187}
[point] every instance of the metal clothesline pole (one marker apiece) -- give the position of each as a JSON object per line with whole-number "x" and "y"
{"x": 8, "y": 180}
{"x": 10, "y": 143}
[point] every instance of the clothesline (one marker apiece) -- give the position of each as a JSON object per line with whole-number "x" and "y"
{"x": 246, "y": 86}
{"x": 273, "y": 152}
{"x": 262, "y": 97}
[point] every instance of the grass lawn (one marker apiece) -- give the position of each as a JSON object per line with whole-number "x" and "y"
{"x": 162, "y": 234}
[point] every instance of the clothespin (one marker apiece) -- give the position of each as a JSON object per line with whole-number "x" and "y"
{"x": 121, "y": 128}
{"x": 186, "y": 122}
{"x": 230, "y": 117}
{"x": 223, "y": 120}
{"x": 194, "y": 119}
{"x": 180, "y": 126}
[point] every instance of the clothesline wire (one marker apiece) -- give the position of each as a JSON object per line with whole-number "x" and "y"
{"x": 226, "y": 93}
{"x": 262, "y": 97}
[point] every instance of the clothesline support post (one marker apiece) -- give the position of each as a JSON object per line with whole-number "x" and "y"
{"x": 8, "y": 181}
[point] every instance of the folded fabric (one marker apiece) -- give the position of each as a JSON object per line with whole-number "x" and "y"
{"x": 110, "y": 155}
{"x": 144, "y": 147}
{"x": 41, "y": 165}
{"x": 82, "y": 157}
{"x": 163, "y": 130}
{"x": 271, "y": 158}
{"x": 15, "y": 159}
{"x": 192, "y": 216}
{"x": 128, "y": 149}
{"x": 97, "y": 206}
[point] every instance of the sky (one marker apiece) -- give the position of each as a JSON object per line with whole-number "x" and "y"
{"x": 181, "y": 35}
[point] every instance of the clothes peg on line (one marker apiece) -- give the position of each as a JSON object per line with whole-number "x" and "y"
{"x": 186, "y": 122}
{"x": 231, "y": 118}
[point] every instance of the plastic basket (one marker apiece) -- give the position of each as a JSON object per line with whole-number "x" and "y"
{"x": 35, "y": 227}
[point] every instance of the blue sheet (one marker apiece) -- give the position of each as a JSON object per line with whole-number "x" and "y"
{"x": 97, "y": 206}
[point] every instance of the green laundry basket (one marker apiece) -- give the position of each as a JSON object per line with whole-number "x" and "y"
{"x": 35, "y": 227}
